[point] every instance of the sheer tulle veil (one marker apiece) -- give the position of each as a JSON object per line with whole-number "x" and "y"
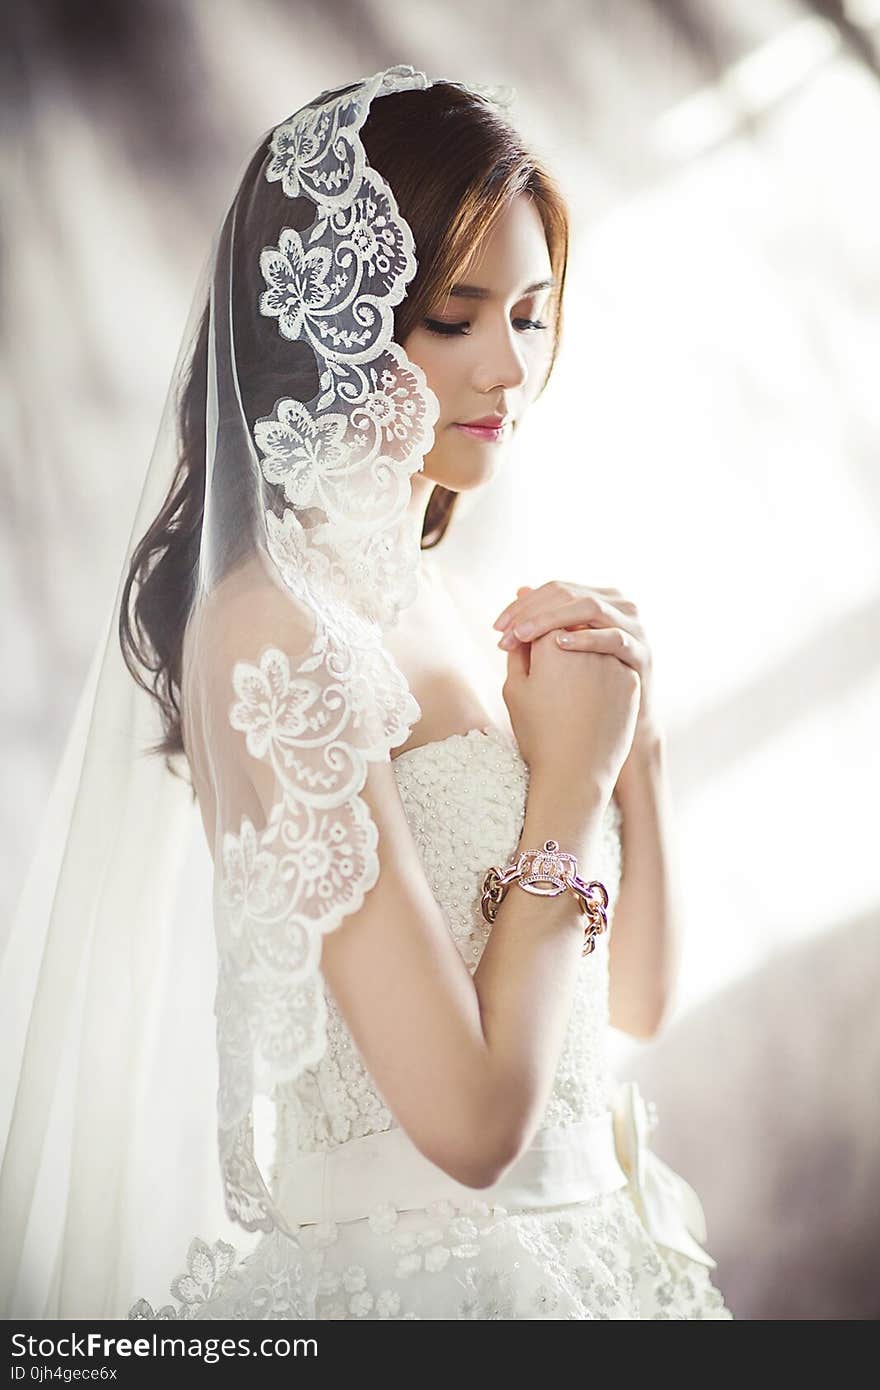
{"x": 162, "y": 973}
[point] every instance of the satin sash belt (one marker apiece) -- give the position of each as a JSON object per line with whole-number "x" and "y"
{"x": 563, "y": 1164}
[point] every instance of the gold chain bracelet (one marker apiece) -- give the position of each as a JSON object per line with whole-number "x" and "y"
{"x": 547, "y": 872}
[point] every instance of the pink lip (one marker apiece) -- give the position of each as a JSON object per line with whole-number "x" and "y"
{"x": 480, "y": 432}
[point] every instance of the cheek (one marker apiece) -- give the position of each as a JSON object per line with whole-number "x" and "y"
{"x": 442, "y": 375}
{"x": 538, "y": 364}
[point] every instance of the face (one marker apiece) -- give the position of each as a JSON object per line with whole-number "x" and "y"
{"x": 487, "y": 354}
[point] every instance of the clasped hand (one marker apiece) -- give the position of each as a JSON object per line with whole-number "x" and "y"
{"x": 592, "y": 619}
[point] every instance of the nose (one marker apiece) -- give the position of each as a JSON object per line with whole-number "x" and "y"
{"x": 502, "y": 364}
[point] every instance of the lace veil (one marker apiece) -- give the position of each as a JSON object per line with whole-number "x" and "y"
{"x": 145, "y": 910}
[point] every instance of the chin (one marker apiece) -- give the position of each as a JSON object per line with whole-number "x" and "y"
{"x": 461, "y": 480}
{"x": 464, "y": 474}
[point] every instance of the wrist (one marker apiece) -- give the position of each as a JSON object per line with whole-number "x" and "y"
{"x": 570, "y": 787}
{"x": 569, "y": 812}
{"x": 645, "y": 764}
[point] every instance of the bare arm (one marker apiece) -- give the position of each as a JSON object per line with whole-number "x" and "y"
{"x": 645, "y": 946}
{"x": 527, "y": 973}
{"x": 465, "y": 1063}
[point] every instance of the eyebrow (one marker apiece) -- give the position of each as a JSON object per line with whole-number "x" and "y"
{"x": 477, "y": 291}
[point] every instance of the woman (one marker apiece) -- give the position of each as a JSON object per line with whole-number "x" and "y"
{"x": 447, "y": 1140}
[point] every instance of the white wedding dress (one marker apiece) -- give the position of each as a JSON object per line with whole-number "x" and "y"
{"x": 463, "y": 1253}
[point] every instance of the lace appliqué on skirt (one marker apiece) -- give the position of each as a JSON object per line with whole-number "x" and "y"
{"x": 592, "y": 1260}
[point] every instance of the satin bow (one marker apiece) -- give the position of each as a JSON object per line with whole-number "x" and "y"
{"x": 669, "y": 1207}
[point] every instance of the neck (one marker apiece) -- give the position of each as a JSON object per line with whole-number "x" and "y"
{"x": 422, "y": 488}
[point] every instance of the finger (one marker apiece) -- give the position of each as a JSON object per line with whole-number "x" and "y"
{"x": 535, "y": 620}
{"x": 518, "y": 660}
{"x": 503, "y": 617}
{"x": 604, "y": 607}
{"x": 613, "y": 641}
{"x": 528, "y": 601}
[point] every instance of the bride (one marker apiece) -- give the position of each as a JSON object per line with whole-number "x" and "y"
{"x": 413, "y": 880}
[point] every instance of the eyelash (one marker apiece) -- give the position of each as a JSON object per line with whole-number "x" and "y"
{"x": 458, "y": 330}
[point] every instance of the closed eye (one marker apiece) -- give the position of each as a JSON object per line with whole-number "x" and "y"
{"x": 461, "y": 329}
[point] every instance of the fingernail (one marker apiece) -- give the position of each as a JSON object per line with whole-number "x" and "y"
{"x": 564, "y": 639}
{"x": 508, "y": 641}
{"x": 524, "y": 629}
{"x": 501, "y": 623}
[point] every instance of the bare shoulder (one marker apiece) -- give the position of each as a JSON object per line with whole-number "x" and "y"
{"x": 250, "y": 611}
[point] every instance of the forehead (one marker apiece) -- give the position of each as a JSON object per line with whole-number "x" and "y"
{"x": 512, "y": 256}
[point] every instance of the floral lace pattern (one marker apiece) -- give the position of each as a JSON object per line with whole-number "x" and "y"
{"x": 593, "y": 1260}
{"x": 465, "y": 802}
{"x": 345, "y": 546}
{"x": 343, "y": 460}
{"x": 464, "y": 799}
{"x": 280, "y": 887}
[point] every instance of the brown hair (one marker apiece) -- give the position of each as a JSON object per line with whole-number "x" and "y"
{"x": 453, "y": 163}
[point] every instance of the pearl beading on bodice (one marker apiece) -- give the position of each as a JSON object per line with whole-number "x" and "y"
{"x": 465, "y": 799}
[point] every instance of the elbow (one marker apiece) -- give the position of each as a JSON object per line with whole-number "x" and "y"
{"x": 488, "y": 1172}
{"x": 468, "y": 1174}
{"x": 495, "y": 1161}
{"x": 487, "y": 1136}
{"x": 640, "y": 1030}
{"x": 476, "y": 1170}
{"x": 477, "y": 1179}
{"x": 642, "y": 1025}
{"x": 480, "y": 1159}
{"x": 656, "y": 1023}
{"x": 651, "y": 1029}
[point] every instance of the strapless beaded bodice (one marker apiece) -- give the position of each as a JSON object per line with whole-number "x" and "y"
{"x": 621, "y": 1252}
{"x": 465, "y": 799}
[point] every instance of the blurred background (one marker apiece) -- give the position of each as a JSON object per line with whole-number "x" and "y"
{"x": 713, "y": 420}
